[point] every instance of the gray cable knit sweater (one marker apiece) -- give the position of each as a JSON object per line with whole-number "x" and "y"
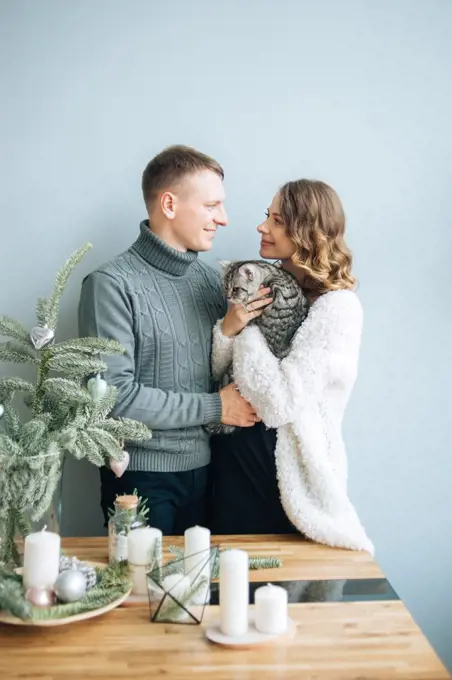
{"x": 161, "y": 305}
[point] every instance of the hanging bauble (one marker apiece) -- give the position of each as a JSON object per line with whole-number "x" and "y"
{"x": 120, "y": 466}
{"x": 2, "y": 410}
{"x": 41, "y": 336}
{"x": 97, "y": 387}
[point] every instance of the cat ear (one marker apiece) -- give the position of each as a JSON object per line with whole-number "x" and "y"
{"x": 249, "y": 273}
{"x": 224, "y": 266}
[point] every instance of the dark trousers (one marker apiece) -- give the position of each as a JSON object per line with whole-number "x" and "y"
{"x": 245, "y": 488}
{"x": 176, "y": 500}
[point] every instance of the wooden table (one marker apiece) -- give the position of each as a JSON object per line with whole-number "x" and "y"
{"x": 359, "y": 640}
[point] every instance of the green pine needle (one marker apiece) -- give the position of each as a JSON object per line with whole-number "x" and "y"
{"x": 61, "y": 280}
{"x": 13, "y": 329}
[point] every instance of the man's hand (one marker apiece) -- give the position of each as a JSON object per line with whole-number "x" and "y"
{"x": 238, "y": 316}
{"x": 235, "y": 409}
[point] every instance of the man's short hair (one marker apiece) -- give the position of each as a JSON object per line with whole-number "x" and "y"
{"x": 170, "y": 166}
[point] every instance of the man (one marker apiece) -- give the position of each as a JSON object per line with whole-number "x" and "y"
{"x": 160, "y": 302}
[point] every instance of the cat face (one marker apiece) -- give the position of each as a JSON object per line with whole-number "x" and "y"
{"x": 241, "y": 281}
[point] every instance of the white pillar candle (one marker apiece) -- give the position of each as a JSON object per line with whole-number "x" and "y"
{"x": 143, "y": 545}
{"x": 234, "y": 592}
{"x": 41, "y": 560}
{"x": 197, "y": 560}
{"x": 196, "y": 550}
{"x": 271, "y": 606}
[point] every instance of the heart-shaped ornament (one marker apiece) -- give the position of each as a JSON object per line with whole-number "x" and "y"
{"x": 97, "y": 387}
{"x": 120, "y": 466}
{"x": 41, "y": 337}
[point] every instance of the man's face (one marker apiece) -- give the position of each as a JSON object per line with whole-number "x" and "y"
{"x": 197, "y": 211}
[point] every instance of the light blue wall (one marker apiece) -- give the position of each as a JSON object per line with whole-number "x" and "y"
{"x": 356, "y": 93}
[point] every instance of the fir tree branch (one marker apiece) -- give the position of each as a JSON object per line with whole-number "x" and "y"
{"x": 102, "y": 408}
{"x": 42, "y": 306}
{"x": 76, "y": 366}
{"x": 91, "y": 449}
{"x": 108, "y": 444}
{"x": 125, "y": 428}
{"x": 13, "y": 329}
{"x": 68, "y": 391}
{"x": 10, "y": 385}
{"x": 17, "y": 352}
{"x": 89, "y": 346}
{"x": 11, "y": 421}
{"x": 8, "y": 447}
{"x": 61, "y": 280}
{"x": 33, "y": 434}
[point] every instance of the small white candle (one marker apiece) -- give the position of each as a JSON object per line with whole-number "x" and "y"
{"x": 197, "y": 560}
{"x": 234, "y": 592}
{"x": 41, "y": 560}
{"x": 271, "y": 609}
{"x": 142, "y": 545}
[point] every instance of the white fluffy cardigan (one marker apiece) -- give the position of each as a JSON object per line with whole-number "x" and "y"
{"x": 304, "y": 396}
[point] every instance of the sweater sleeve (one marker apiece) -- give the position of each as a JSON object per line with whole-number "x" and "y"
{"x": 324, "y": 351}
{"x": 105, "y": 311}
{"x": 222, "y": 347}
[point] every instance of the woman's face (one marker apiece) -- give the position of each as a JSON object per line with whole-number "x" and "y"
{"x": 275, "y": 244}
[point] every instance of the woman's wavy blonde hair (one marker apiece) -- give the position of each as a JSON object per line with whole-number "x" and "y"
{"x": 315, "y": 221}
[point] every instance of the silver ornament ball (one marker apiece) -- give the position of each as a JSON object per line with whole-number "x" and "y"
{"x": 70, "y": 586}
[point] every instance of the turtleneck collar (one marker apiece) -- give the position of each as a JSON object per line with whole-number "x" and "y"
{"x": 160, "y": 255}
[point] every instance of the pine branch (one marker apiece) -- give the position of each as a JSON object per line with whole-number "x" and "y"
{"x": 76, "y": 366}
{"x": 52, "y": 479}
{"x": 103, "y": 408}
{"x": 91, "y": 449}
{"x": 67, "y": 391}
{"x": 108, "y": 444}
{"x": 17, "y": 352}
{"x": 125, "y": 428}
{"x": 10, "y": 385}
{"x": 8, "y": 447}
{"x": 60, "y": 284}
{"x": 32, "y": 435}
{"x": 13, "y": 329}
{"x": 42, "y": 306}
{"x": 11, "y": 421}
{"x": 12, "y": 598}
{"x": 89, "y": 346}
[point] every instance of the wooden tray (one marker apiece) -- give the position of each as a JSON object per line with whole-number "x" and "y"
{"x": 16, "y": 621}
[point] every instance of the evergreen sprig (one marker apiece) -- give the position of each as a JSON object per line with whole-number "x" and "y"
{"x": 254, "y": 563}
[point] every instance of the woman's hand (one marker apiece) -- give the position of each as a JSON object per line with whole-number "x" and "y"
{"x": 238, "y": 316}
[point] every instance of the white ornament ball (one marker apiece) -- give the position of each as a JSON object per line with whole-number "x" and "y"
{"x": 2, "y": 410}
{"x": 70, "y": 586}
{"x": 97, "y": 387}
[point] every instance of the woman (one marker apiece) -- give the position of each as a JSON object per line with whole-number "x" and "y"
{"x": 288, "y": 473}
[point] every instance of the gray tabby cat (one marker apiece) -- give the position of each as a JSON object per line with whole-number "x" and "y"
{"x": 279, "y": 321}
